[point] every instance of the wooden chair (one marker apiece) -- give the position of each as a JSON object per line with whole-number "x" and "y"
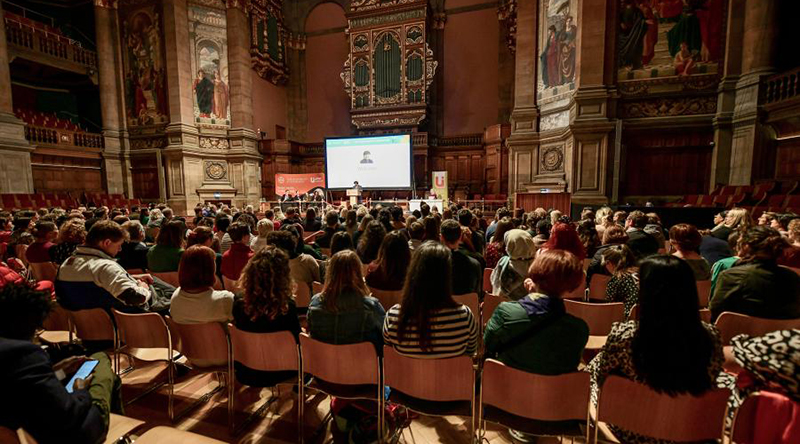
{"x": 264, "y": 352}
{"x": 490, "y": 304}
{"x": 57, "y": 326}
{"x": 487, "y": 280}
{"x": 147, "y": 331}
{"x": 639, "y": 409}
{"x": 170, "y": 277}
{"x": 312, "y": 237}
{"x": 162, "y": 434}
{"x": 597, "y": 286}
{"x": 386, "y": 297}
{"x": 230, "y": 284}
{"x": 207, "y": 342}
{"x": 578, "y": 294}
{"x": 325, "y": 252}
{"x": 302, "y": 295}
{"x": 118, "y": 427}
{"x": 471, "y": 300}
{"x": 316, "y": 287}
{"x": 586, "y": 263}
{"x": 599, "y": 317}
{"x": 520, "y": 400}
{"x": 95, "y": 325}
{"x": 437, "y": 387}
{"x": 351, "y": 371}
{"x": 703, "y": 292}
{"x": 705, "y": 314}
{"x": 745, "y": 428}
{"x": 731, "y": 324}
{"x": 44, "y": 271}
{"x": 135, "y": 271}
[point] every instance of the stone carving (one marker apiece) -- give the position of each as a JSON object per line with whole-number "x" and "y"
{"x": 150, "y": 143}
{"x": 552, "y": 159}
{"x": 213, "y": 143}
{"x": 507, "y": 13}
{"x": 216, "y": 170}
{"x": 696, "y": 82}
{"x": 669, "y": 107}
{"x": 367, "y": 5}
{"x": 555, "y": 120}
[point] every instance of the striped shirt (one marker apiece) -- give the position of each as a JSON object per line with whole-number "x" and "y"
{"x": 453, "y": 333}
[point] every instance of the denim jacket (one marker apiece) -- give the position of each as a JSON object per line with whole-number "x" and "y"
{"x": 351, "y": 324}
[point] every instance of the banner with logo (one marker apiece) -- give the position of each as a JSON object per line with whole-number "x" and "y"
{"x": 439, "y": 187}
{"x": 298, "y": 183}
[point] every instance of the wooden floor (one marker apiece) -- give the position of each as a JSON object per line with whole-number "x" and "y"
{"x": 279, "y": 424}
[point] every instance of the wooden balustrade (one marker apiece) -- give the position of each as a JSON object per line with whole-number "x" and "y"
{"x": 42, "y": 136}
{"x": 783, "y": 86}
{"x": 49, "y": 44}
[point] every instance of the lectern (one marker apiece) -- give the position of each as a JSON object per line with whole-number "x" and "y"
{"x": 354, "y": 194}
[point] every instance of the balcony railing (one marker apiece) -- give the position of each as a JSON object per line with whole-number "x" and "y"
{"x": 49, "y": 44}
{"x": 784, "y": 86}
{"x": 52, "y": 137}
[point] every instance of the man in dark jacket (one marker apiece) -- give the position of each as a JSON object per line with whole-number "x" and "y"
{"x": 331, "y": 227}
{"x": 642, "y": 244}
{"x": 467, "y": 271}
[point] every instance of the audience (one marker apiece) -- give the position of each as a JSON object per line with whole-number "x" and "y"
{"x": 304, "y": 268}
{"x": 735, "y": 219}
{"x": 613, "y": 235}
{"x": 467, "y": 273}
{"x": 362, "y": 228}
{"x": 587, "y": 233}
{"x": 509, "y": 275}
{"x": 428, "y": 323}
{"x": 341, "y": 241}
{"x": 388, "y": 270}
{"x": 668, "y": 348}
{"x": 417, "y": 235}
{"x": 641, "y": 243}
{"x": 44, "y": 234}
{"x": 264, "y": 227}
{"x": 234, "y": 260}
{"x": 221, "y": 224}
{"x": 266, "y": 306}
{"x": 331, "y": 226}
{"x": 756, "y": 285}
{"x": 370, "y": 242}
{"x": 34, "y": 388}
{"x": 196, "y": 301}
{"x": 432, "y": 227}
{"x": 564, "y": 237}
{"x": 133, "y": 254}
{"x": 344, "y": 313}
{"x": 71, "y": 234}
{"x": 473, "y": 239}
{"x": 791, "y": 255}
{"x": 685, "y": 240}
{"x": 623, "y": 286}
{"x": 496, "y": 248}
{"x": 165, "y": 255}
{"x": 501, "y": 213}
{"x": 311, "y": 223}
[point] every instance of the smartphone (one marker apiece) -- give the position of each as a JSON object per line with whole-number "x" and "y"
{"x": 82, "y": 373}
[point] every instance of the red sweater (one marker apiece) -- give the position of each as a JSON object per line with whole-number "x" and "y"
{"x": 234, "y": 260}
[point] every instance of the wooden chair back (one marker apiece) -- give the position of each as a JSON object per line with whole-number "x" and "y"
{"x": 162, "y": 434}
{"x": 586, "y": 263}
{"x": 170, "y": 277}
{"x": 639, "y": 409}
{"x": 705, "y": 315}
{"x": 597, "y": 286}
{"x": 44, "y": 271}
{"x": 490, "y": 304}
{"x": 135, "y": 271}
{"x": 578, "y": 294}
{"x": 598, "y": 316}
{"x": 386, "y": 297}
{"x": 265, "y": 351}
{"x": 487, "y": 280}
{"x": 312, "y": 237}
{"x": 538, "y": 397}
{"x": 731, "y": 324}
{"x": 448, "y": 379}
{"x": 302, "y": 295}
{"x": 703, "y": 292}
{"x": 470, "y": 300}
{"x": 93, "y": 325}
{"x": 230, "y": 284}
{"x": 142, "y": 330}
{"x": 208, "y": 342}
{"x": 325, "y": 252}
{"x": 58, "y": 319}
{"x": 350, "y": 364}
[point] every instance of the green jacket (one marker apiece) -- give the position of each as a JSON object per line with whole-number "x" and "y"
{"x": 550, "y": 350}
{"x": 758, "y": 288}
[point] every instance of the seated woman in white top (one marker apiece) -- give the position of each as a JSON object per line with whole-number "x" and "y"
{"x": 195, "y": 301}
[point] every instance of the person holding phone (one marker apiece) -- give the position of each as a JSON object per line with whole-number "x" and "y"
{"x": 36, "y": 398}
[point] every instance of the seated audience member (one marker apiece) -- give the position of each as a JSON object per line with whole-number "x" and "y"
{"x": 473, "y": 241}
{"x": 344, "y": 313}
{"x": 351, "y": 221}
{"x": 71, "y": 234}
{"x": 623, "y": 286}
{"x": 535, "y": 333}
{"x": 388, "y": 270}
{"x": 416, "y": 234}
{"x": 304, "y": 268}
{"x": 756, "y": 285}
{"x": 641, "y": 243}
{"x": 603, "y": 220}
{"x": 655, "y": 229}
{"x": 499, "y": 215}
{"x": 726, "y": 263}
{"x": 613, "y": 235}
{"x": 36, "y": 399}
{"x": 271, "y": 215}
{"x": 791, "y": 255}
{"x": 362, "y": 228}
{"x": 370, "y": 242}
{"x": 587, "y": 233}
{"x": 432, "y": 228}
{"x": 221, "y": 224}
{"x": 165, "y": 255}
{"x": 266, "y": 306}
{"x": 669, "y": 348}
{"x": 397, "y": 221}
{"x": 91, "y": 278}
{"x": 714, "y": 249}
{"x": 685, "y": 240}
{"x": 509, "y": 276}
{"x": 44, "y": 234}
{"x": 467, "y": 274}
{"x": 133, "y": 254}
{"x": 6, "y": 228}
{"x": 196, "y": 301}
{"x": 331, "y": 226}
{"x": 292, "y": 217}
{"x": 264, "y": 227}
{"x": 496, "y": 248}
{"x": 564, "y": 237}
{"x": 428, "y": 323}
{"x": 234, "y": 260}
{"x": 735, "y": 219}
{"x": 341, "y": 241}
{"x": 543, "y": 229}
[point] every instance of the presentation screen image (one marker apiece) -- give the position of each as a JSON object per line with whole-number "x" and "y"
{"x": 374, "y": 161}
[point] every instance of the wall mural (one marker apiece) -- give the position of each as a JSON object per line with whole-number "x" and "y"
{"x": 557, "y": 46}
{"x": 668, "y": 38}
{"x": 145, "y": 67}
{"x": 208, "y": 41}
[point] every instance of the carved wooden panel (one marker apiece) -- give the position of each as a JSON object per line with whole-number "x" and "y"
{"x": 144, "y": 173}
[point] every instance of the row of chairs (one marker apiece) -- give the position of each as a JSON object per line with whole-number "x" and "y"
{"x": 506, "y": 396}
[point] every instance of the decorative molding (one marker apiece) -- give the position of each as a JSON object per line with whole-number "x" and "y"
{"x": 383, "y": 19}
{"x": 507, "y": 13}
{"x": 215, "y": 170}
{"x": 669, "y": 85}
{"x": 554, "y": 121}
{"x": 213, "y": 143}
{"x": 269, "y": 61}
{"x": 369, "y": 5}
{"x": 551, "y": 159}
{"x": 439, "y": 19}
{"x": 108, "y": 4}
{"x": 670, "y": 107}
{"x": 242, "y": 5}
{"x": 148, "y": 143}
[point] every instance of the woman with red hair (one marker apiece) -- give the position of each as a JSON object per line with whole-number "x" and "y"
{"x": 564, "y": 237}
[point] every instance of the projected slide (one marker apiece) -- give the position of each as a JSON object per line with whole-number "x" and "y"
{"x": 375, "y": 162}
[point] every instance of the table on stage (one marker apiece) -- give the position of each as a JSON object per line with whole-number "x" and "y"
{"x": 414, "y": 204}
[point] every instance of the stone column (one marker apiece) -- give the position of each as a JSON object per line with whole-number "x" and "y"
{"x": 116, "y": 160}
{"x": 296, "y": 92}
{"x": 749, "y": 154}
{"x": 15, "y": 168}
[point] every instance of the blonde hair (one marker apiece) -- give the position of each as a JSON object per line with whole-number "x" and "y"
{"x": 264, "y": 227}
{"x": 740, "y": 217}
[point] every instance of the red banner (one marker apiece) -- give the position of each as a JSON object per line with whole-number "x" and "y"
{"x": 298, "y": 183}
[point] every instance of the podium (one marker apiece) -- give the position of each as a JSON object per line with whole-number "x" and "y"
{"x": 354, "y": 195}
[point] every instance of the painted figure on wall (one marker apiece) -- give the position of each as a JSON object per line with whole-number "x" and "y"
{"x": 557, "y": 58}
{"x": 146, "y": 91}
{"x": 550, "y": 71}
{"x": 204, "y": 93}
{"x": 208, "y": 40}
{"x": 220, "y": 97}
{"x": 660, "y": 38}
{"x": 567, "y": 43}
